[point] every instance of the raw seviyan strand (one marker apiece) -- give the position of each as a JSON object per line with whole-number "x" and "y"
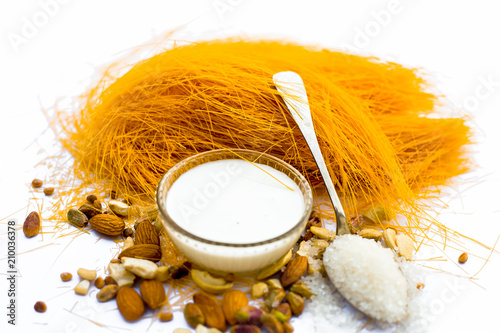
{"x": 372, "y": 119}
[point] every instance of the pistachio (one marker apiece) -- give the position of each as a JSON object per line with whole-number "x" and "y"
{"x": 209, "y": 283}
{"x": 274, "y": 298}
{"x": 107, "y": 293}
{"x": 283, "y": 312}
{"x": 249, "y": 315}
{"x": 323, "y": 233}
{"x": 123, "y": 277}
{"x": 370, "y": 234}
{"x": 140, "y": 267}
{"x": 296, "y": 303}
{"x": 118, "y": 207}
{"x": 301, "y": 289}
{"x": 259, "y": 290}
{"x": 273, "y": 268}
{"x": 97, "y": 204}
{"x": 158, "y": 225}
{"x": 77, "y": 218}
{"x": 245, "y": 329}
{"x": 389, "y": 236}
{"x": 379, "y": 213}
{"x": 193, "y": 315}
{"x": 274, "y": 284}
{"x": 89, "y": 210}
{"x": 272, "y": 324}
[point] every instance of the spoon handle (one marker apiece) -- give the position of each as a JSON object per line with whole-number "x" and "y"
{"x": 293, "y": 92}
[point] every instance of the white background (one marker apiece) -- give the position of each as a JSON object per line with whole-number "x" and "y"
{"x": 455, "y": 41}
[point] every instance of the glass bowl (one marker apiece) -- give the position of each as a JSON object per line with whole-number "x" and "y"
{"x": 232, "y": 257}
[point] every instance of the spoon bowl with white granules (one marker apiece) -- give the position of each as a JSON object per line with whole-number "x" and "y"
{"x": 364, "y": 272}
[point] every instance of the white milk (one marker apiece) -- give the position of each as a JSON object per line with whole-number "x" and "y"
{"x": 235, "y": 201}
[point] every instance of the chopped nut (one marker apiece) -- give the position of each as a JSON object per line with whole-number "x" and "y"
{"x": 259, "y": 290}
{"x": 370, "y": 234}
{"x": 36, "y": 183}
{"x": 420, "y": 285}
{"x": 66, "y": 276}
{"x": 122, "y": 277}
{"x": 463, "y": 258}
{"x": 140, "y": 267}
{"x": 99, "y": 282}
{"x": 119, "y": 207}
{"x": 83, "y": 287}
{"x": 165, "y": 316}
{"x": 87, "y": 274}
{"x": 389, "y": 236}
{"x": 40, "y": 307}
{"x": 129, "y": 242}
{"x": 405, "y": 246}
{"x": 323, "y": 233}
{"x": 48, "y": 190}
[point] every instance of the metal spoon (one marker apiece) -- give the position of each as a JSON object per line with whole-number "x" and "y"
{"x": 364, "y": 272}
{"x": 293, "y": 92}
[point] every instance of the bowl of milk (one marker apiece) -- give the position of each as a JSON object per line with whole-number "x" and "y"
{"x": 233, "y": 211}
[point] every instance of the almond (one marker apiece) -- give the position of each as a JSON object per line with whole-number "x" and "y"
{"x": 294, "y": 271}
{"x": 153, "y": 293}
{"x": 142, "y": 251}
{"x": 146, "y": 234}
{"x": 233, "y": 301}
{"x": 214, "y": 316}
{"x": 31, "y": 226}
{"x": 106, "y": 224}
{"x": 129, "y": 303}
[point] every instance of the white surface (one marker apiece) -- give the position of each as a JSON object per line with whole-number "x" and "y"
{"x": 456, "y": 41}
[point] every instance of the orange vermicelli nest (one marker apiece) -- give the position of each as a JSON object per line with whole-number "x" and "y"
{"x": 372, "y": 120}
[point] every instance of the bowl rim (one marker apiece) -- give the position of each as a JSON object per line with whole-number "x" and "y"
{"x": 307, "y": 196}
